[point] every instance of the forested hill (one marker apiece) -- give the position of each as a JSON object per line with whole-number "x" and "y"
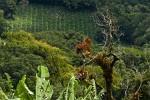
{"x": 91, "y": 49}
{"x": 132, "y": 16}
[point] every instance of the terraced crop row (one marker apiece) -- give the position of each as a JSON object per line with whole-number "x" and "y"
{"x": 36, "y": 18}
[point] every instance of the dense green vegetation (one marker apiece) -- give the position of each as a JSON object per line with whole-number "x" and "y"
{"x": 37, "y": 18}
{"x": 44, "y": 89}
{"x": 3, "y": 23}
{"x": 9, "y": 7}
{"x": 132, "y": 17}
{"x": 115, "y": 58}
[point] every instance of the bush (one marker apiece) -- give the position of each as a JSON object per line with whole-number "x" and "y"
{"x": 22, "y": 53}
{"x": 68, "y": 39}
{"x": 3, "y": 23}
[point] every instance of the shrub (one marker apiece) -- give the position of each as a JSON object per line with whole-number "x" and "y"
{"x": 22, "y": 53}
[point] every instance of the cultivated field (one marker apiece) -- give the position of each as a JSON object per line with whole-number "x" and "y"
{"x": 36, "y": 18}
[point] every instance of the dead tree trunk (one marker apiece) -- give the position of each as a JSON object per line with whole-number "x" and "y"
{"x": 107, "y": 60}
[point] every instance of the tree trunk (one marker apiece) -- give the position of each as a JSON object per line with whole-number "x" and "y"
{"x": 108, "y": 90}
{"x": 108, "y": 80}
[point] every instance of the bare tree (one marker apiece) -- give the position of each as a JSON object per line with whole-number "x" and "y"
{"x": 105, "y": 20}
{"x": 106, "y": 60}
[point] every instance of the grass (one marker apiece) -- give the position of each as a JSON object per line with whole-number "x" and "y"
{"x": 36, "y": 18}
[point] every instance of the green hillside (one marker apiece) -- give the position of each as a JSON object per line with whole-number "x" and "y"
{"x": 35, "y": 18}
{"x": 74, "y": 50}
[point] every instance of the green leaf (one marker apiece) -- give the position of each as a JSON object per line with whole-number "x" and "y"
{"x": 87, "y": 93}
{"x": 44, "y": 90}
{"x": 101, "y": 93}
{"x": 73, "y": 87}
{"x": 94, "y": 89}
{"x": 22, "y": 90}
{"x": 43, "y": 72}
{"x": 69, "y": 93}
{"x": 9, "y": 81}
{"x": 61, "y": 95}
{"x": 89, "y": 89}
{"x": 3, "y": 95}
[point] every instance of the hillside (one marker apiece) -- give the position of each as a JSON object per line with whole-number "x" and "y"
{"x": 37, "y": 18}
{"x": 74, "y": 49}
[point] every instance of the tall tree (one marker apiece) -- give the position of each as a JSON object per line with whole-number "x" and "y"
{"x": 9, "y": 7}
{"x": 3, "y": 23}
{"x": 106, "y": 60}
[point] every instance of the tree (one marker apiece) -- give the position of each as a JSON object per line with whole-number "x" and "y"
{"x": 3, "y": 23}
{"x": 107, "y": 59}
{"x": 84, "y": 48}
{"x": 9, "y": 7}
{"x": 141, "y": 34}
{"x": 22, "y": 53}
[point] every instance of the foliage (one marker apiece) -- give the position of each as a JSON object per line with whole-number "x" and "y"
{"x": 44, "y": 90}
{"x": 142, "y": 32}
{"x": 146, "y": 85}
{"x": 3, "y": 95}
{"x": 9, "y": 82}
{"x": 107, "y": 59}
{"x": 9, "y": 7}
{"x": 89, "y": 93}
{"x": 136, "y": 58}
{"x": 131, "y": 16}
{"x": 106, "y": 62}
{"x": 36, "y": 18}
{"x": 22, "y": 53}
{"x": 69, "y": 3}
{"x": 80, "y": 3}
{"x": 43, "y": 87}
{"x": 22, "y": 91}
{"x": 84, "y": 48}
{"x": 70, "y": 92}
{"x": 3, "y": 22}
{"x": 132, "y": 73}
{"x": 53, "y": 2}
{"x": 92, "y": 72}
{"x": 68, "y": 41}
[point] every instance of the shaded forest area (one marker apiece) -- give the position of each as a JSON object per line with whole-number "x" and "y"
{"x": 92, "y": 49}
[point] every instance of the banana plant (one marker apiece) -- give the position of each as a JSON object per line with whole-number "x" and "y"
{"x": 44, "y": 90}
